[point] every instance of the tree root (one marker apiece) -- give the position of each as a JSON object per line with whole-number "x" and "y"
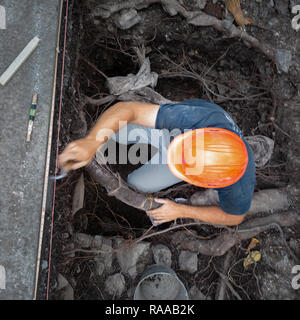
{"x": 220, "y": 293}
{"x": 263, "y": 201}
{"x": 229, "y": 238}
{"x": 116, "y": 187}
{"x": 268, "y": 200}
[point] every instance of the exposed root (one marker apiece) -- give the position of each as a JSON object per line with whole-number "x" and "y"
{"x": 116, "y": 187}
{"x": 268, "y": 200}
{"x": 220, "y": 294}
{"x": 221, "y": 244}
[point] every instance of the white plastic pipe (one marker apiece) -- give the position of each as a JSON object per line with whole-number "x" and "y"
{"x": 20, "y": 59}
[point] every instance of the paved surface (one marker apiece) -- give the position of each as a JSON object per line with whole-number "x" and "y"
{"x": 22, "y": 165}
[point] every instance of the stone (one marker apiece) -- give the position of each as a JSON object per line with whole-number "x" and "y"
{"x": 198, "y": 4}
{"x": 82, "y": 240}
{"x": 274, "y": 286}
{"x": 162, "y": 255}
{"x": 133, "y": 258}
{"x": 273, "y": 21}
{"x": 127, "y": 18}
{"x": 66, "y": 290}
{"x": 282, "y": 88}
{"x": 44, "y": 264}
{"x": 222, "y": 89}
{"x": 196, "y": 294}
{"x": 107, "y": 254}
{"x": 67, "y": 293}
{"x": 282, "y": 6}
{"x": 104, "y": 260}
{"x": 97, "y": 242}
{"x": 69, "y": 247}
{"x": 115, "y": 285}
{"x": 188, "y": 261}
{"x": 297, "y": 46}
{"x": 277, "y": 278}
{"x": 100, "y": 267}
{"x": 61, "y": 281}
{"x": 262, "y": 147}
{"x": 170, "y": 10}
{"x": 283, "y": 59}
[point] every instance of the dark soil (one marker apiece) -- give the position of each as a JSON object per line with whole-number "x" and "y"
{"x": 241, "y": 74}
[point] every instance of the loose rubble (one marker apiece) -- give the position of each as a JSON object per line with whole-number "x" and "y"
{"x": 188, "y": 261}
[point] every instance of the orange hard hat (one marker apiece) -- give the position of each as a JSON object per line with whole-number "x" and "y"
{"x": 208, "y": 157}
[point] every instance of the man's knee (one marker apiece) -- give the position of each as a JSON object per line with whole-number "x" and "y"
{"x": 139, "y": 183}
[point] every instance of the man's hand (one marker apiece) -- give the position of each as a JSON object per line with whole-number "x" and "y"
{"x": 78, "y": 154}
{"x": 169, "y": 211}
{"x": 209, "y": 214}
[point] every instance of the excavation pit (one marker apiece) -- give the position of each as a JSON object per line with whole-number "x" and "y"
{"x": 191, "y": 62}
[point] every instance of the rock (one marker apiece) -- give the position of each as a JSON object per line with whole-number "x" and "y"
{"x": 69, "y": 247}
{"x": 170, "y": 10}
{"x": 282, "y": 88}
{"x": 115, "y": 285}
{"x": 106, "y": 8}
{"x": 273, "y": 21}
{"x": 107, "y": 255}
{"x": 127, "y": 18}
{"x": 282, "y": 6}
{"x": 162, "y": 255}
{"x": 271, "y": 4}
{"x": 262, "y": 147}
{"x": 100, "y": 267}
{"x": 188, "y": 261}
{"x": 133, "y": 258}
{"x": 196, "y": 294}
{"x": 198, "y": 4}
{"x": 283, "y": 59}
{"x": 101, "y": 12}
{"x": 61, "y": 281}
{"x": 274, "y": 255}
{"x": 104, "y": 260}
{"x": 44, "y": 264}
{"x": 222, "y": 89}
{"x": 295, "y": 245}
{"x": 277, "y": 278}
{"x": 78, "y": 196}
{"x": 274, "y": 286}
{"x": 97, "y": 242}
{"x": 82, "y": 240}
{"x": 130, "y": 292}
{"x": 67, "y": 292}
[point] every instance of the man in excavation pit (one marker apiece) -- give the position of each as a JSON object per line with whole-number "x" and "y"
{"x": 224, "y": 160}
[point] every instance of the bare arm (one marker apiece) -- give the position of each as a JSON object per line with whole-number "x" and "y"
{"x": 209, "y": 214}
{"x": 80, "y": 152}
